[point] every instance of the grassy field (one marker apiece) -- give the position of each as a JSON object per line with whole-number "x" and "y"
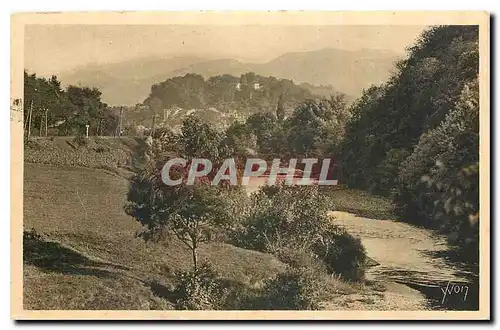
{"x": 88, "y": 256}
{"x": 81, "y": 249}
{"x": 116, "y": 154}
{"x": 360, "y": 203}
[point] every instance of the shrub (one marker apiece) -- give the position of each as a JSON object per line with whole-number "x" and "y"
{"x": 342, "y": 254}
{"x": 81, "y": 140}
{"x": 284, "y": 216}
{"x": 292, "y": 223}
{"x": 300, "y": 259}
{"x": 199, "y": 289}
{"x": 102, "y": 149}
{"x": 294, "y": 289}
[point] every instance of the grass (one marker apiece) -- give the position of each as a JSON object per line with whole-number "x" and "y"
{"x": 112, "y": 153}
{"x": 360, "y": 203}
{"x": 87, "y": 255}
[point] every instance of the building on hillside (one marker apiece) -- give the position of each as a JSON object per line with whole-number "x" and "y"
{"x": 256, "y": 86}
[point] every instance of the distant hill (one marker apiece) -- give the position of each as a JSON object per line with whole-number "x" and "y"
{"x": 219, "y": 99}
{"x": 126, "y": 83}
{"x": 348, "y": 72}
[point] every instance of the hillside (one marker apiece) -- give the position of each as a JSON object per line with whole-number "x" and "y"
{"x": 88, "y": 256}
{"x": 81, "y": 251}
{"x": 219, "y": 100}
{"x": 348, "y": 72}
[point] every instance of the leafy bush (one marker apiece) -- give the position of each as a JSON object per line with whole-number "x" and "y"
{"x": 102, "y": 149}
{"x": 284, "y": 216}
{"x": 81, "y": 140}
{"x": 292, "y": 223}
{"x": 342, "y": 254}
{"x": 294, "y": 289}
{"x": 300, "y": 259}
{"x": 199, "y": 289}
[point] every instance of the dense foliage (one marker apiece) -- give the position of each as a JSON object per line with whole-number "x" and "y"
{"x": 439, "y": 182}
{"x": 342, "y": 254}
{"x": 389, "y": 120}
{"x": 227, "y": 93}
{"x": 283, "y": 219}
{"x": 58, "y": 111}
{"x": 315, "y": 128}
{"x": 285, "y": 216}
{"x": 294, "y": 289}
{"x": 198, "y": 289}
{"x": 416, "y": 138}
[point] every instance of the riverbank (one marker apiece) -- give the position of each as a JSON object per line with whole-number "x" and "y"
{"x": 412, "y": 264}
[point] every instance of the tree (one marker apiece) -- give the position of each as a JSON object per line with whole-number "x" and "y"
{"x": 85, "y": 108}
{"x": 44, "y": 102}
{"x": 239, "y": 139}
{"x": 389, "y": 120}
{"x": 191, "y": 212}
{"x": 197, "y": 215}
{"x": 263, "y": 126}
{"x": 438, "y": 184}
{"x": 198, "y": 139}
{"x": 316, "y": 127}
{"x": 280, "y": 109}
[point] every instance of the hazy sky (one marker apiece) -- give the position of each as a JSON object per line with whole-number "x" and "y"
{"x": 56, "y": 48}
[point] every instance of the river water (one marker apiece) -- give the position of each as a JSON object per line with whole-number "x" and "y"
{"x": 412, "y": 263}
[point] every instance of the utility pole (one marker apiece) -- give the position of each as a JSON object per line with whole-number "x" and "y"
{"x": 29, "y": 119}
{"x": 120, "y": 122}
{"x": 46, "y": 127}
{"x": 41, "y": 125}
{"x": 153, "y": 128}
{"x": 25, "y": 121}
{"x": 98, "y": 127}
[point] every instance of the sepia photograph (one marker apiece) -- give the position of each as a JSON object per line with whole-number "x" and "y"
{"x": 250, "y": 165}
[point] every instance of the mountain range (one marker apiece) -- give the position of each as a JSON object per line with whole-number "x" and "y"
{"x": 346, "y": 71}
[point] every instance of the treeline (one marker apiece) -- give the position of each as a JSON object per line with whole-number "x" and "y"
{"x": 416, "y": 138}
{"x": 315, "y": 128}
{"x": 51, "y": 110}
{"x": 249, "y": 93}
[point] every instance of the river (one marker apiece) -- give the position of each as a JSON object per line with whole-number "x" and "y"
{"x": 413, "y": 265}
